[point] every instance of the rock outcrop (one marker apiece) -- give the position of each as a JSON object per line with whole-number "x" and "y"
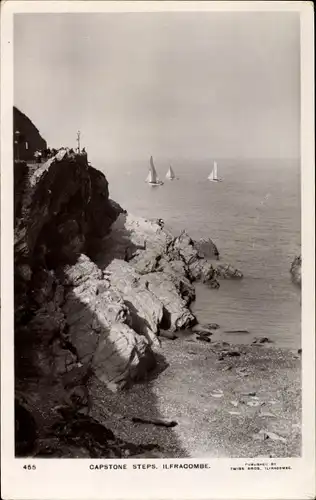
{"x": 296, "y": 270}
{"x": 93, "y": 287}
{"x": 227, "y": 271}
{"x": 27, "y": 138}
{"x": 207, "y": 248}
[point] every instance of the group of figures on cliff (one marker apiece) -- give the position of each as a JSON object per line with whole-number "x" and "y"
{"x": 41, "y": 155}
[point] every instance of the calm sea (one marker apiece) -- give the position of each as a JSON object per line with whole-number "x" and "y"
{"x": 253, "y": 216}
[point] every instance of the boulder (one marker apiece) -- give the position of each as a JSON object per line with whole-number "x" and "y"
{"x": 146, "y": 310}
{"x": 176, "y": 270}
{"x": 96, "y": 315}
{"x": 121, "y": 356}
{"x": 183, "y": 245}
{"x": 176, "y": 315}
{"x": 207, "y": 248}
{"x": 227, "y": 271}
{"x": 296, "y": 270}
{"x": 148, "y": 233}
{"x": 131, "y": 236}
{"x": 146, "y": 244}
{"x": 153, "y": 298}
{"x": 147, "y": 261}
{"x": 198, "y": 268}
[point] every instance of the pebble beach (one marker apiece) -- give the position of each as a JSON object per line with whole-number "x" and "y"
{"x": 228, "y": 401}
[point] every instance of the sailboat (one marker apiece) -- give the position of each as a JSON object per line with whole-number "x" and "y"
{"x": 152, "y": 177}
{"x": 170, "y": 175}
{"x": 213, "y": 175}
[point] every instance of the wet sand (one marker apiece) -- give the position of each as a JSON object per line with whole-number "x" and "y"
{"x": 225, "y": 404}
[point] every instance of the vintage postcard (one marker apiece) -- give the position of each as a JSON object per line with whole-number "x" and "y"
{"x": 157, "y": 250}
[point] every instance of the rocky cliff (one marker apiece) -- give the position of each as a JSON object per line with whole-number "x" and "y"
{"x": 296, "y": 270}
{"x": 94, "y": 286}
{"x": 27, "y": 138}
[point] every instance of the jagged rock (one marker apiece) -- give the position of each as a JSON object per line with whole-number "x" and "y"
{"x": 130, "y": 236}
{"x": 121, "y": 356}
{"x": 146, "y": 245}
{"x": 198, "y": 267}
{"x": 226, "y": 271}
{"x": 176, "y": 270}
{"x": 153, "y": 298}
{"x": 296, "y": 271}
{"x": 59, "y": 207}
{"x": 147, "y": 261}
{"x": 95, "y": 314}
{"x": 176, "y": 315}
{"x": 184, "y": 246}
{"x": 145, "y": 308}
{"x": 207, "y": 248}
{"x": 82, "y": 271}
{"x": 148, "y": 233}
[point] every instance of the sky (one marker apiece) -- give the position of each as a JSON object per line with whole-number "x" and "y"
{"x": 175, "y": 85}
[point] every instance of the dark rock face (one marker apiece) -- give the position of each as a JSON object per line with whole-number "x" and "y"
{"x": 296, "y": 271}
{"x": 207, "y": 248}
{"x": 28, "y": 138}
{"x": 25, "y": 431}
{"x": 71, "y": 435}
{"x": 59, "y": 295}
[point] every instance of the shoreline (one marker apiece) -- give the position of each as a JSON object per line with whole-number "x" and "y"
{"x": 258, "y": 412}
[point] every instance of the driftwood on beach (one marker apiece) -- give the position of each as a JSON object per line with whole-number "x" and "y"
{"x": 236, "y": 331}
{"x": 155, "y": 421}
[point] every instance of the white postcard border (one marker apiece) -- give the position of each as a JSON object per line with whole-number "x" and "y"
{"x": 73, "y": 479}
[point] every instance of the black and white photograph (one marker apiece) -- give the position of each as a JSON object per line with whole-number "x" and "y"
{"x": 157, "y": 174}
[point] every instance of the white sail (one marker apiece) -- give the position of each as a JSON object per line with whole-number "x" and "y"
{"x": 213, "y": 175}
{"x": 152, "y": 177}
{"x": 170, "y": 174}
{"x": 215, "y": 171}
{"x": 152, "y": 174}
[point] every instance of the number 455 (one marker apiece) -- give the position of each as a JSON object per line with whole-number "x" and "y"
{"x": 29, "y": 467}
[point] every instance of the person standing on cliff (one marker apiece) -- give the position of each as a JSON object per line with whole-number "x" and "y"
{"x": 84, "y": 152}
{"x": 37, "y": 156}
